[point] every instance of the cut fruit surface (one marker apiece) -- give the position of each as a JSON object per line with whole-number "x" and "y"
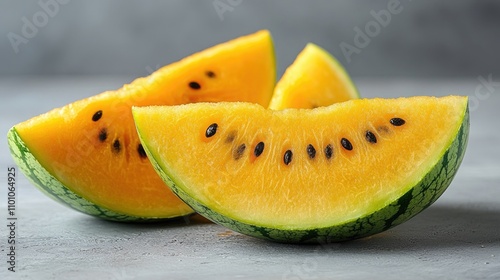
{"x": 314, "y": 79}
{"x": 333, "y": 173}
{"x": 87, "y": 154}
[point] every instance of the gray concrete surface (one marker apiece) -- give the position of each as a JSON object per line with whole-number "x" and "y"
{"x": 456, "y": 238}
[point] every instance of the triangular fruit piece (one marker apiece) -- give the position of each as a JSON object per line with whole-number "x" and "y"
{"x": 314, "y": 79}
{"x": 333, "y": 173}
{"x": 87, "y": 154}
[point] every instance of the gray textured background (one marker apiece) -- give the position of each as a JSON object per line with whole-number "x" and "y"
{"x": 431, "y": 47}
{"x": 427, "y": 39}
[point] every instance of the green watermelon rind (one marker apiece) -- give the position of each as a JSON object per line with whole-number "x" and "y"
{"x": 416, "y": 199}
{"x": 53, "y": 188}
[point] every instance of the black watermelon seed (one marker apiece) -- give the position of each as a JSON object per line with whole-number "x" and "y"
{"x": 97, "y": 115}
{"x": 210, "y": 74}
{"x": 238, "y": 152}
{"x": 370, "y": 137}
{"x": 397, "y": 121}
{"x": 103, "y": 135}
{"x": 230, "y": 137}
{"x": 116, "y": 146}
{"x": 346, "y": 144}
{"x": 287, "y": 158}
{"x": 311, "y": 151}
{"x": 141, "y": 151}
{"x": 194, "y": 85}
{"x": 258, "y": 149}
{"x": 211, "y": 130}
{"x": 328, "y": 151}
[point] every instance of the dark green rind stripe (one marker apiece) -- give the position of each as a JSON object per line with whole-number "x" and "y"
{"x": 419, "y": 197}
{"x": 54, "y": 189}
